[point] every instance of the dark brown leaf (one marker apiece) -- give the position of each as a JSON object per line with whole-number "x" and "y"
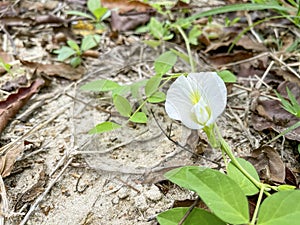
{"x": 14, "y": 102}
{"x": 61, "y": 69}
{"x": 126, "y": 6}
{"x": 268, "y": 163}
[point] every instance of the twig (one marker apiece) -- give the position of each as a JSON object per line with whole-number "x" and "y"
{"x": 10, "y": 40}
{"x": 251, "y": 27}
{"x": 40, "y": 198}
{"x": 4, "y": 201}
{"x": 285, "y": 65}
{"x": 259, "y": 83}
{"x": 189, "y": 211}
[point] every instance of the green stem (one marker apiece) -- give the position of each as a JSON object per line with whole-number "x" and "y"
{"x": 261, "y": 192}
{"x": 188, "y": 47}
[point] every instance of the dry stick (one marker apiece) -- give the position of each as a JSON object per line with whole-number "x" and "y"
{"x": 189, "y": 211}
{"x": 40, "y": 198}
{"x": 4, "y": 200}
{"x": 10, "y": 40}
{"x": 251, "y": 27}
{"x": 259, "y": 83}
{"x": 285, "y": 65}
{"x": 14, "y": 143}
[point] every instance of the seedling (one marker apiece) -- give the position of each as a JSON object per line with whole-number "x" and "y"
{"x": 74, "y": 51}
{"x": 5, "y": 66}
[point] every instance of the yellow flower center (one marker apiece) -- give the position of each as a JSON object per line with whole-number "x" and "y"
{"x": 195, "y": 97}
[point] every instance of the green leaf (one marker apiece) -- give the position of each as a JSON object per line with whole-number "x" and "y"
{"x": 90, "y": 41}
{"x": 73, "y": 45}
{"x": 182, "y": 55}
{"x": 100, "y": 12}
{"x": 78, "y": 13}
{"x": 219, "y": 192}
{"x": 281, "y": 208}
{"x": 122, "y": 90}
{"x": 245, "y": 184}
{"x": 135, "y": 89}
{"x": 75, "y": 61}
{"x": 64, "y": 53}
{"x": 227, "y": 76}
{"x": 196, "y": 217}
{"x": 152, "y": 85}
{"x": 122, "y": 105}
{"x": 194, "y": 33}
{"x": 138, "y": 117}
{"x": 100, "y": 85}
{"x": 152, "y": 43}
{"x": 157, "y": 97}
{"x": 93, "y": 5}
{"x": 104, "y": 127}
{"x": 156, "y": 28}
{"x": 164, "y": 62}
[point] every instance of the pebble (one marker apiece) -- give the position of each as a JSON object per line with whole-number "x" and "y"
{"x": 141, "y": 203}
{"x": 123, "y": 193}
{"x": 154, "y": 193}
{"x": 115, "y": 200}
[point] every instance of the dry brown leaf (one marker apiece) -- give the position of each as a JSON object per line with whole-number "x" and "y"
{"x": 271, "y": 115}
{"x": 268, "y": 163}
{"x": 8, "y": 160}
{"x": 225, "y": 58}
{"x": 10, "y": 106}
{"x": 130, "y": 14}
{"x": 61, "y": 69}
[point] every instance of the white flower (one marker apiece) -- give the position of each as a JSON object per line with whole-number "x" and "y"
{"x": 196, "y": 100}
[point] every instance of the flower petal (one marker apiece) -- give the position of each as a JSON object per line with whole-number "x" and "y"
{"x": 178, "y": 103}
{"x": 214, "y": 90}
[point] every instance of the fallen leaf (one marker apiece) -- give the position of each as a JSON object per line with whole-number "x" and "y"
{"x": 14, "y": 84}
{"x": 268, "y": 164}
{"x": 129, "y": 14}
{"x": 225, "y": 58}
{"x": 270, "y": 114}
{"x": 10, "y": 107}
{"x": 8, "y": 160}
{"x": 60, "y": 69}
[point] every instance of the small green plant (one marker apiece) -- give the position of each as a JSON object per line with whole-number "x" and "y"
{"x": 291, "y": 105}
{"x": 5, "y": 66}
{"x": 98, "y": 12}
{"x": 74, "y": 51}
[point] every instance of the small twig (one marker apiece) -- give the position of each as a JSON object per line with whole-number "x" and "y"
{"x": 4, "y": 201}
{"x": 259, "y": 83}
{"x": 189, "y": 211}
{"x": 251, "y": 27}
{"x": 42, "y": 196}
{"x": 285, "y": 65}
{"x": 10, "y": 40}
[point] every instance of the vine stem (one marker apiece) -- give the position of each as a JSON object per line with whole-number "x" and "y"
{"x": 261, "y": 192}
{"x": 188, "y": 47}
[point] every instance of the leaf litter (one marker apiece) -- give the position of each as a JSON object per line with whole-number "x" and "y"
{"x": 120, "y": 169}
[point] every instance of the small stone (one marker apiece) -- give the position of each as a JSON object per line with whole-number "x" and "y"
{"x": 140, "y": 202}
{"x": 154, "y": 193}
{"x": 115, "y": 200}
{"x": 123, "y": 193}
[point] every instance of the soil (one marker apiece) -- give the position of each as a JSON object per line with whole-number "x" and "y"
{"x": 67, "y": 176}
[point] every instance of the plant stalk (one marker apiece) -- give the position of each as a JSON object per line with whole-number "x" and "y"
{"x": 261, "y": 192}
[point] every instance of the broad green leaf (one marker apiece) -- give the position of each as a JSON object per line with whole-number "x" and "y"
{"x": 100, "y": 85}
{"x": 122, "y": 90}
{"x": 90, "y": 41}
{"x": 93, "y": 5}
{"x": 152, "y": 85}
{"x": 196, "y": 217}
{"x": 157, "y": 97}
{"x": 100, "y": 12}
{"x": 227, "y": 76}
{"x": 219, "y": 192}
{"x": 64, "y": 53}
{"x": 138, "y": 117}
{"x": 122, "y": 105}
{"x": 73, "y": 45}
{"x": 104, "y": 127}
{"x": 281, "y": 208}
{"x": 194, "y": 33}
{"x": 156, "y": 28}
{"x": 152, "y": 43}
{"x": 78, "y": 13}
{"x": 245, "y": 184}
{"x": 75, "y": 61}
{"x": 135, "y": 89}
{"x": 164, "y": 62}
